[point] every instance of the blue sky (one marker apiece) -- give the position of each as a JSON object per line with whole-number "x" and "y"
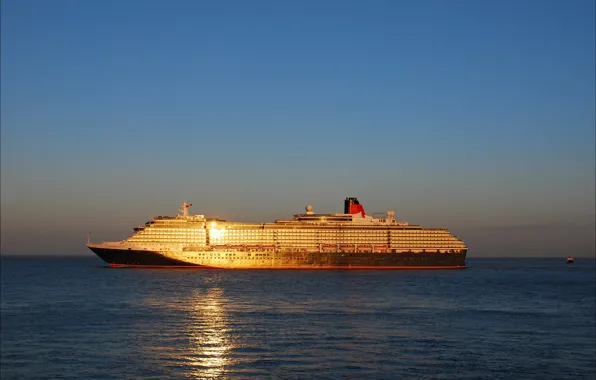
{"x": 478, "y": 116}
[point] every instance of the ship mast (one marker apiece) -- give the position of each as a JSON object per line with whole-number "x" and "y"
{"x": 183, "y": 210}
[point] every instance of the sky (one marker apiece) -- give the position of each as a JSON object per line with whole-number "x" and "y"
{"x": 476, "y": 116}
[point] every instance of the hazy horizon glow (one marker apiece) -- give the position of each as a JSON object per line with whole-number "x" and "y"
{"x": 476, "y": 116}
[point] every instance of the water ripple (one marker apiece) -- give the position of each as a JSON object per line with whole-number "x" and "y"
{"x": 73, "y": 320}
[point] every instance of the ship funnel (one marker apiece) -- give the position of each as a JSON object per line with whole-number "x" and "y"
{"x": 352, "y": 206}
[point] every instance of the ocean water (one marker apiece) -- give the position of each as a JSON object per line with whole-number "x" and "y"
{"x": 73, "y": 318}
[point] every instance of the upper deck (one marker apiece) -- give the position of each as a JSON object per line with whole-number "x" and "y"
{"x": 353, "y": 214}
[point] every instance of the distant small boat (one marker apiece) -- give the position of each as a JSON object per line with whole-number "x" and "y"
{"x": 569, "y": 260}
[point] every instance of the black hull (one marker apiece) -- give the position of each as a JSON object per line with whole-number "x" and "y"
{"x": 139, "y": 258}
{"x": 120, "y": 257}
{"x": 378, "y": 260}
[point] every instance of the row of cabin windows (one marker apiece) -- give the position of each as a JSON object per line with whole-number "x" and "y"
{"x": 257, "y": 237}
{"x": 137, "y": 238}
{"x": 161, "y": 233}
{"x": 297, "y": 231}
{"x": 200, "y": 233}
{"x": 174, "y": 229}
{"x": 202, "y": 256}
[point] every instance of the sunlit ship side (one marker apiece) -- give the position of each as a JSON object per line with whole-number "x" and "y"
{"x": 352, "y": 240}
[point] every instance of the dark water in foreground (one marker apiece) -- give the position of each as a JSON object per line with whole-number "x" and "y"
{"x": 499, "y": 319}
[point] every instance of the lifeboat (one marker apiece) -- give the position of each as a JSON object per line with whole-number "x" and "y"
{"x": 570, "y": 260}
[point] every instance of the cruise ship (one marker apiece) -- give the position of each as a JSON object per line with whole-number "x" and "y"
{"x": 349, "y": 240}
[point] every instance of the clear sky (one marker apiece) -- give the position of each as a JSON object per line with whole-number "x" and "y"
{"x": 477, "y": 116}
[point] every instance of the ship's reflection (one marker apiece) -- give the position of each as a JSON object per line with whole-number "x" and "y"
{"x": 209, "y": 336}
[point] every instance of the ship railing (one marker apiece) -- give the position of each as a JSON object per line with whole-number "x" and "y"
{"x": 243, "y": 247}
{"x": 328, "y": 248}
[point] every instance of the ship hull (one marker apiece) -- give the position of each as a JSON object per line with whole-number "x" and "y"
{"x": 137, "y": 258}
{"x": 287, "y": 260}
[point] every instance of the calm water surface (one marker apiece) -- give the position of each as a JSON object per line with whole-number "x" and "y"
{"x": 499, "y": 319}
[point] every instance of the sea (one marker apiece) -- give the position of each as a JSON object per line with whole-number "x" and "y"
{"x": 75, "y": 318}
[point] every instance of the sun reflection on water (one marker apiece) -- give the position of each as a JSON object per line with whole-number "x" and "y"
{"x": 209, "y": 336}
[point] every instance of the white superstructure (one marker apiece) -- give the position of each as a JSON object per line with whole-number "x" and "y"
{"x": 195, "y": 238}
